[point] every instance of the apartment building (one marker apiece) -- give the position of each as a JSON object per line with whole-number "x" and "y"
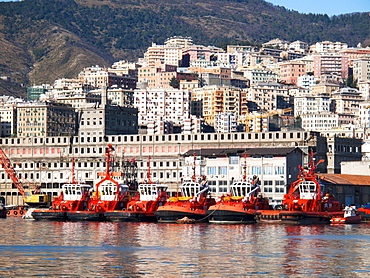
{"x": 331, "y": 65}
{"x": 306, "y": 81}
{"x": 324, "y": 88}
{"x": 209, "y": 101}
{"x": 43, "y": 119}
{"x": 320, "y": 122}
{"x": 101, "y": 120}
{"x": 259, "y": 75}
{"x": 311, "y": 104}
{"x": 172, "y": 105}
{"x": 34, "y": 92}
{"x": 361, "y": 69}
{"x": 346, "y": 101}
{"x": 8, "y": 120}
{"x": 194, "y": 55}
{"x": 268, "y": 97}
{"x": 226, "y": 122}
{"x": 99, "y": 77}
{"x": 299, "y": 46}
{"x": 158, "y": 76}
{"x": 364, "y": 89}
{"x": 120, "y": 96}
{"x": 328, "y": 46}
{"x": 291, "y": 71}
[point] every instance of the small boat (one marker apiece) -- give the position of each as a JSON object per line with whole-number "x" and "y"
{"x": 108, "y": 195}
{"x": 351, "y": 216}
{"x": 3, "y": 210}
{"x": 16, "y": 211}
{"x": 193, "y": 203}
{"x": 240, "y": 206}
{"x": 364, "y": 210}
{"x": 305, "y": 202}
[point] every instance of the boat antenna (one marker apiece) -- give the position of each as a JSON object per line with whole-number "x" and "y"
{"x": 73, "y": 179}
{"x": 245, "y": 166}
{"x": 108, "y": 151}
{"x": 194, "y": 178}
{"x": 149, "y": 174}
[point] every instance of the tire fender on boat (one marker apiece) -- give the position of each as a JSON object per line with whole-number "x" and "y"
{"x": 15, "y": 212}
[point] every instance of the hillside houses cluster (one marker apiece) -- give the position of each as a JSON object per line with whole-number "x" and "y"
{"x": 182, "y": 87}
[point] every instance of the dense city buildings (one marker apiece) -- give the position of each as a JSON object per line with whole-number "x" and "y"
{"x": 274, "y": 102}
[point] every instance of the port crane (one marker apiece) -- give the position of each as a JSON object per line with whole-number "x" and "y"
{"x": 32, "y": 197}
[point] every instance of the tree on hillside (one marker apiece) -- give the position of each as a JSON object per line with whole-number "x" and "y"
{"x": 174, "y": 83}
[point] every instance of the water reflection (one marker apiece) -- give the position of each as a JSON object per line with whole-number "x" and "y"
{"x": 74, "y": 249}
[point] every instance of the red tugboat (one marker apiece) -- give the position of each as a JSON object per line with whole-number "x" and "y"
{"x": 142, "y": 206}
{"x": 305, "y": 203}
{"x": 73, "y": 196}
{"x": 242, "y": 204}
{"x": 240, "y": 207}
{"x": 109, "y": 195}
{"x": 192, "y": 204}
{"x": 351, "y": 216}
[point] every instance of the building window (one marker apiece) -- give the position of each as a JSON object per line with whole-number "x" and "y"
{"x": 222, "y": 170}
{"x": 267, "y": 170}
{"x": 256, "y": 170}
{"x": 267, "y": 186}
{"x": 234, "y": 159}
{"x": 211, "y": 170}
{"x": 279, "y": 187}
{"x": 279, "y": 170}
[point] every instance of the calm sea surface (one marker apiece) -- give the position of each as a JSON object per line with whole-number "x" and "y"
{"x": 80, "y": 249}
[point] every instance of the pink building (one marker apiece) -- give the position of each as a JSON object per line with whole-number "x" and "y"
{"x": 333, "y": 65}
{"x": 290, "y": 71}
{"x": 157, "y": 77}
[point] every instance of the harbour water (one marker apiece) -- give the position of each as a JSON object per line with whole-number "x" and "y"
{"x": 81, "y": 249}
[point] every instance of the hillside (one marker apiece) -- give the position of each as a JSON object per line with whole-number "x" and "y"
{"x": 41, "y": 40}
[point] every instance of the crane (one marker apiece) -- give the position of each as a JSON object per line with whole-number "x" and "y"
{"x": 247, "y": 119}
{"x": 31, "y": 197}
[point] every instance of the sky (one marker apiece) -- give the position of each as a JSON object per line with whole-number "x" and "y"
{"x": 329, "y": 7}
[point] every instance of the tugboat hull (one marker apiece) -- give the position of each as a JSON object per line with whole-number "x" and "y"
{"x": 231, "y": 217}
{"x": 122, "y": 216}
{"x": 49, "y": 215}
{"x": 85, "y": 216}
{"x": 172, "y": 216}
{"x": 304, "y": 218}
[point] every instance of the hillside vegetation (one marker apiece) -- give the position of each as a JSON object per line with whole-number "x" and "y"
{"x": 42, "y": 40}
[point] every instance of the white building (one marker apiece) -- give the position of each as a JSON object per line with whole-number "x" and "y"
{"x": 320, "y": 122}
{"x": 171, "y": 105}
{"x": 328, "y": 46}
{"x": 259, "y": 75}
{"x": 306, "y": 81}
{"x": 346, "y": 101}
{"x": 364, "y": 89}
{"x": 226, "y": 122}
{"x": 311, "y": 104}
{"x": 361, "y": 69}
